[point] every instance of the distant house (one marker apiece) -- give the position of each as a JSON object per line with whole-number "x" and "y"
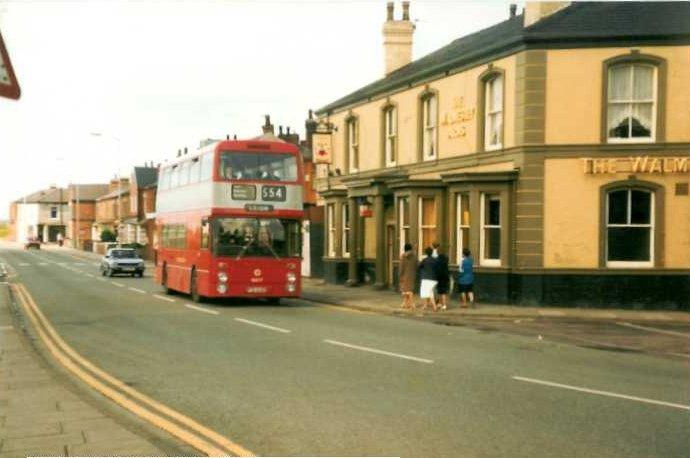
{"x": 42, "y": 214}
{"x": 140, "y": 226}
{"x": 82, "y": 211}
{"x": 112, "y": 209}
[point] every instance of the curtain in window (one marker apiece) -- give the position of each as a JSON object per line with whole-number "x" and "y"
{"x": 630, "y": 101}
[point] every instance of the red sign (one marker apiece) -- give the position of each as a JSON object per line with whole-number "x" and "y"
{"x": 9, "y": 86}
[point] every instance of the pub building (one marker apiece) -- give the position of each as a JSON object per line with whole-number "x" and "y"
{"x": 555, "y": 145}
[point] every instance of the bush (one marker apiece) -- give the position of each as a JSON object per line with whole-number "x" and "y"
{"x": 108, "y": 236}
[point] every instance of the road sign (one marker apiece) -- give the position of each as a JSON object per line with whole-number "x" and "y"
{"x": 9, "y": 86}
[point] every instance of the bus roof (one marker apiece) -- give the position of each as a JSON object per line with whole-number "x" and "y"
{"x": 255, "y": 144}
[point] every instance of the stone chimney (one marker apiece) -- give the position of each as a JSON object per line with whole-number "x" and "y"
{"x": 397, "y": 38}
{"x": 267, "y": 127}
{"x": 536, "y": 11}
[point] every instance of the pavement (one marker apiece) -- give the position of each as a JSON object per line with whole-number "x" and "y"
{"x": 43, "y": 414}
{"x": 366, "y": 298}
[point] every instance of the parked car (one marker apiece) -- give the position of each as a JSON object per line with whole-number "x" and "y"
{"x": 33, "y": 242}
{"x": 122, "y": 260}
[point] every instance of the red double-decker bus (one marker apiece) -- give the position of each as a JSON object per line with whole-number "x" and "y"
{"x": 229, "y": 219}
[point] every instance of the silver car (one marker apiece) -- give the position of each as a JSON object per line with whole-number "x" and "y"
{"x": 122, "y": 261}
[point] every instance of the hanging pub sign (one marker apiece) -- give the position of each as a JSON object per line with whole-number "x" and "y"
{"x": 322, "y": 147}
{"x": 365, "y": 211}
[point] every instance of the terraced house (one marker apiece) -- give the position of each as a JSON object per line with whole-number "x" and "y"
{"x": 554, "y": 145}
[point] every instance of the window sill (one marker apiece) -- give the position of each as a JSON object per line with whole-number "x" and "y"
{"x": 627, "y": 141}
{"x": 488, "y": 148}
{"x": 490, "y": 263}
{"x": 629, "y": 265}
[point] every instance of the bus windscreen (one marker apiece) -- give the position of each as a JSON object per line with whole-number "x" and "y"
{"x": 256, "y": 237}
{"x": 258, "y": 166}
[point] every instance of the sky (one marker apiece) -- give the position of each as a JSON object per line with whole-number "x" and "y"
{"x": 109, "y": 85}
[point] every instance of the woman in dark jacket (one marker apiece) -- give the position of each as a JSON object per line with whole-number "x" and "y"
{"x": 443, "y": 286}
{"x": 428, "y": 272}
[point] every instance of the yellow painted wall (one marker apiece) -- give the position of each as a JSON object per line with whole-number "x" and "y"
{"x": 455, "y": 92}
{"x": 571, "y": 215}
{"x": 574, "y": 92}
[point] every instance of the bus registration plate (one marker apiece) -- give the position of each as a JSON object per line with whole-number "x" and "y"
{"x": 256, "y": 289}
{"x": 273, "y": 193}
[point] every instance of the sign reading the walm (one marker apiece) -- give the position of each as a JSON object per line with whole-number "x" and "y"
{"x": 639, "y": 164}
{"x": 457, "y": 118}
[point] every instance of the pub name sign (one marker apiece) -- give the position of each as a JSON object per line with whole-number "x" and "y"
{"x": 638, "y": 164}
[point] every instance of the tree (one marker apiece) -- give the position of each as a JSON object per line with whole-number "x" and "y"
{"x": 108, "y": 236}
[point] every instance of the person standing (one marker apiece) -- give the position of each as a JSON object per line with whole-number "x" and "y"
{"x": 466, "y": 279}
{"x": 428, "y": 272}
{"x": 408, "y": 276}
{"x": 443, "y": 286}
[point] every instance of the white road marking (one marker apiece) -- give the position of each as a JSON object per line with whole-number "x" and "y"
{"x": 24, "y": 264}
{"x": 42, "y": 263}
{"x": 262, "y": 325}
{"x": 137, "y": 290}
{"x": 6, "y": 328}
{"x": 602, "y": 393}
{"x": 78, "y": 263}
{"x": 89, "y": 275}
{"x": 163, "y": 298}
{"x": 101, "y": 279}
{"x": 380, "y": 352}
{"x": 201, "y": 309}
{"x": 117, "y": 284}
{"x": 657, "y": 330}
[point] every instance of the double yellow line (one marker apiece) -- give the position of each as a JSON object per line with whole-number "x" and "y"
{"x": 184, "y": 428}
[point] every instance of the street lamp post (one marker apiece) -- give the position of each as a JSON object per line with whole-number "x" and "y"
{"x": 119, "y": 180}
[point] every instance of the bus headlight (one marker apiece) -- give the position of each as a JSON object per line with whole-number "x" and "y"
{"x": 222, "y": 277}
{"x": 290, "y": 288}
{"x": 222, "y": 289}
{"x": 291, "y": 277}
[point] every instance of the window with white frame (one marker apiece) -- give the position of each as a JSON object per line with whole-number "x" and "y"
{"x": 54, "y": 212}
{"x": 427, "y": 223}
{"x": 390, "y": 129}
{"x": 429, "y": 125}
{"x": 630, "y": 228}
{"x": 493, "y": 113}
{"x": 353, "y": 144}
{"x": 490, "y": 233}
{"x": 631, "y": 102}
{"x": 346, "y": 230}
{"x": 462, "y": 235}
{"x": 404, "y": 221}
{"x": 330, "y": 217}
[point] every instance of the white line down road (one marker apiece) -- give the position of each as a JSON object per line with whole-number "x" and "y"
{"x": 380, "y": 352}
{"x": 602, "y": 393}
{"x": 262, "y": 325}
{"x": 201, "y": 309}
